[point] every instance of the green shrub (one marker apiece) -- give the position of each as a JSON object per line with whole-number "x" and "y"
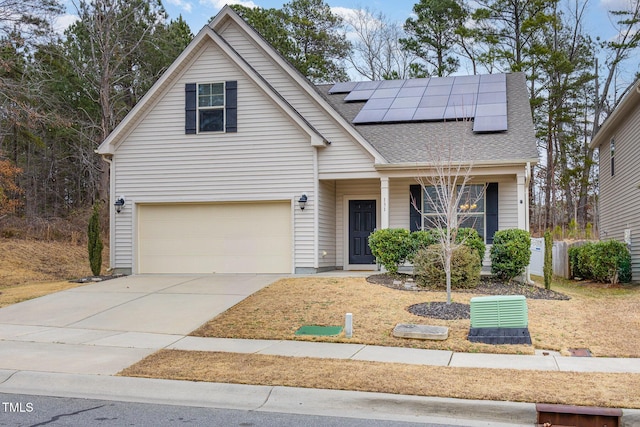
{"x": 473, "y": 240}
{"x": 421, "y": 240}
{"x": 94, "y": 244}
{"x": 548, "y": 259}
{"x": 510, "y": 253}
{"x": 391, "y": 247}
{"x": 428, "y": 266}
{"x": 608, "y": 261}
{"x": 580, "y": 260}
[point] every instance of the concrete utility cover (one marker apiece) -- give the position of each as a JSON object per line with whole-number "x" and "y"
{"x": 421, "y": 332}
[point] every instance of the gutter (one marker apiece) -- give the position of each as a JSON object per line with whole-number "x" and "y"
{"x": 481, "y": 163}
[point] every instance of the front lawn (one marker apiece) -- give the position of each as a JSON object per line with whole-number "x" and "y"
{"x": 603, "y": 319}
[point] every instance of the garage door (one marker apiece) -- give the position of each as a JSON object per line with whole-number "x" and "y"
{"x": 215, "y": 238}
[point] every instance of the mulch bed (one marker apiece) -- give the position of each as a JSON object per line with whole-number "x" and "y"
{"x": 440, "y": 310}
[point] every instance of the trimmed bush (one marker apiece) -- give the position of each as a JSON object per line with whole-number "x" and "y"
{"x": 428, "y": 266}
{"x": 607, "y": 262}
{"x": 473, "y": 240}
{"x": 421, "y": 239}
{"x": 94, "y": 241}
{"x": 548, "y": 259}
{"x": 391, "y": 247}
{"x": 510, "y": 253}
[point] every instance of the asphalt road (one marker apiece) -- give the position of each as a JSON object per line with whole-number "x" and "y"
{"x": 23, "y": 410}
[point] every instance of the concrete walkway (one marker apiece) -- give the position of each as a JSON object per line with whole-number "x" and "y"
{"x": 72, "y": 343}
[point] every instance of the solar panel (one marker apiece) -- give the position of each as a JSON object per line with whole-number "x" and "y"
{"x": 492, "y": 97}
{"x": 359, "y": 95}
{"x": 492, "y": 87}
{"x": 429, "y": 113}
{"x": 406, "y": 102}
{"x": 344, "y": 87}
{"x": 400, "y": 115}
{"x": 473, "y": 79}
{"x": 367, "y": 85}
{"x": 386, "y": 84}
{"x": 464, "y": 88}
{"x": 438, "y": 90}
{"x": 490, "y": 124}
{"x": 416, "y": 83}
{"x": 378, "y": 104}
{"x": 385, "y": 93}
{"x": 434, "y": 101}
{"x": 493, "y": 78}
{"x": 491, "y": 110}
{"x": 370, "y": 116}
{"x": 483, "y": 98}
{"x": 407, "y": 92}
{"x": 462, "y": 99}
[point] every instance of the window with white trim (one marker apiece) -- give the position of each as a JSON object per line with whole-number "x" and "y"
{"x": 211, "y": 107}
{"x": 471, "y": 209}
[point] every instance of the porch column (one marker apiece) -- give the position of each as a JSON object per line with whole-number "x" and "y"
{"x": 523, "y": 201}
{"x": 384, "y": 201}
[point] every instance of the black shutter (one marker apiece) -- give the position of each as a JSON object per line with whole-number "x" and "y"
{"x": 231, "y": 106}
{"x": 415, "y": 217}
{"x": 190, "y": 109}
{"x": 491, "y": 210}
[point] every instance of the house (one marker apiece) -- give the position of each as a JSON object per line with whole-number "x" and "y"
{"x": 618, "y": 144}
{"x": 233, "y": 162}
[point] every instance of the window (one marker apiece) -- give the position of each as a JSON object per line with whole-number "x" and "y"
{"x": 478, "y": 209}
{"x": 211, "y": 107}
{"x": 613, "y": 152}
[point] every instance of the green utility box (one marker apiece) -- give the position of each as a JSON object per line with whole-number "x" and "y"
{"x": 500, "y": 319}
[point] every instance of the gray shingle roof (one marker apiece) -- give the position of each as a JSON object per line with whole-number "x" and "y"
{"x": 407, "y": 142}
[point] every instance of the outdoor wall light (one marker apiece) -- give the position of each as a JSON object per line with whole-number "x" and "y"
{"x": 303, "y": 201}
{"x": 119, "y": 204}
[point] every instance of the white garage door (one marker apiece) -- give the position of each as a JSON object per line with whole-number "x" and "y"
{"x": 215, "y": 238}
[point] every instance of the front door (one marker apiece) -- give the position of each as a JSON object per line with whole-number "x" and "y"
{"x": 362, "y": 222}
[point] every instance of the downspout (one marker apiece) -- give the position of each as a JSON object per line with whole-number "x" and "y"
{"x": 316, "y": 213}
{"x": 112, "y": 229}
{"x": 527, "y": 181}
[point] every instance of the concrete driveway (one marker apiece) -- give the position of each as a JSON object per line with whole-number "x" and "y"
{"x": 104, "y": 327}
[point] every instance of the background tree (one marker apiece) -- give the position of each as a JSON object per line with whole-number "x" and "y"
{"x": 376, "y": 52}
{"x": 10, "y": 192}
{"x": 320, "y": 43}
{"x": 431, "y": 36}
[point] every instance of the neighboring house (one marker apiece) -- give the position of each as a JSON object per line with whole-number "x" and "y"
{"x": 618, "y": 141}
{"x": 214, "y": 163}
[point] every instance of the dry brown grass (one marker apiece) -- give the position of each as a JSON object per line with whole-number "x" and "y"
{"x": 605, "y": 320}
{"x": 590, "y": 389}
{"x": 31, "y": 268}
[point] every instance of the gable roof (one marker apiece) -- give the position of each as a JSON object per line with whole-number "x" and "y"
{"x": 624, "y": 107}
{"x": 404, "y": 143}
{"x": 206, "y": 35}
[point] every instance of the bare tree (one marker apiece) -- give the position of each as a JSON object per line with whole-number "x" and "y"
{"x": 450, "y": 200}
{"x": 376, "y": 52}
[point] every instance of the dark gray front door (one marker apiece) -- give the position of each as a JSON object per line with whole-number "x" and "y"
{"x": 362, "y": 222}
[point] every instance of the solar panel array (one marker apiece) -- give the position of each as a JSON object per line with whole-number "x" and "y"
{"x": 481, "y": 98}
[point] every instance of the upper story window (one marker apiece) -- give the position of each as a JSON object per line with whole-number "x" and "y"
{"x": 613, "y": 152}
{"x": 211, "y": 107}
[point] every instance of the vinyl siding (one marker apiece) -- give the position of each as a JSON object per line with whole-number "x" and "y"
{"x": 269, "y": 158}
{"x": 327, "y": 224}
{"x": 344, "y": 155}
{"x": 618, "y": 193}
